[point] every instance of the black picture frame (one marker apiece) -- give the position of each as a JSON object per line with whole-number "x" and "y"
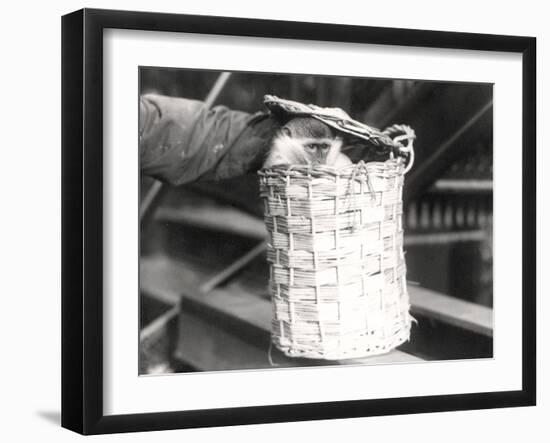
{"x": 82, "y": 221}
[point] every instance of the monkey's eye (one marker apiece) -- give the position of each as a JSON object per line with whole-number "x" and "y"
{"x": 312, "y": 147}
{"x": 325, "y": 146}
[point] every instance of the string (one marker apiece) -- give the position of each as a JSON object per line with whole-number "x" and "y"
{"x": 269, "y": 357}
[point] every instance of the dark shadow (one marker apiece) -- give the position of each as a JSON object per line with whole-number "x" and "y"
{"x": 53, "y": 417}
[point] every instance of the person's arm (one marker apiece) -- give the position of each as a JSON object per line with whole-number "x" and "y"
{"x": 181, "y": 141}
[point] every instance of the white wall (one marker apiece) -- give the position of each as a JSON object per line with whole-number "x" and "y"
{"x": 30, "y": 234}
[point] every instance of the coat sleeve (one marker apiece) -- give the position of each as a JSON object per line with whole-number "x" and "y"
{"x": 181, "y": 141}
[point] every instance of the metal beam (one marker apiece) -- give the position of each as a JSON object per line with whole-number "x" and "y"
{"x": 425, "y": 173}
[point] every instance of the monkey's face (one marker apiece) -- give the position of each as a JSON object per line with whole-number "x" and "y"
{"x": 317, "y": 152}
{"x": 304, "y": 141}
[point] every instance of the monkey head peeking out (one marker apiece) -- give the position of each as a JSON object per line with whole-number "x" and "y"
{"x": 306, "y": 141}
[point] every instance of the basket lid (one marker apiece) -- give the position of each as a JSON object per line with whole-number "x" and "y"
{"x": 336, "y": 118}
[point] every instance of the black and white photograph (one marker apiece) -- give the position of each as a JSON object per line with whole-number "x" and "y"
{"x": 290, "y": 220}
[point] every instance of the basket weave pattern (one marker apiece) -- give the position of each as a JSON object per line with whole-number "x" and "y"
{"x": 337, "y": 268}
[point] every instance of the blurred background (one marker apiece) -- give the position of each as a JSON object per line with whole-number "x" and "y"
{"x": 202, "y": 264}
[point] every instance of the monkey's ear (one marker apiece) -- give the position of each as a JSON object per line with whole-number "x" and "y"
{"x": 286, "y": 131}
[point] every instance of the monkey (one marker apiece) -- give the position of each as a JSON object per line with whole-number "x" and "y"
{"x": 306, "y": 141}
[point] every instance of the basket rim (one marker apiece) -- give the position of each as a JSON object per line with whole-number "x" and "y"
{"x": 348, "y": 171}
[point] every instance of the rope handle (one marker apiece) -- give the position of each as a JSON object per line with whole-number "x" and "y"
{"x": 403, "y": 137}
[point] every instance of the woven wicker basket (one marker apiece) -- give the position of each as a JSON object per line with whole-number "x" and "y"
{"x": 335, "y": 250}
